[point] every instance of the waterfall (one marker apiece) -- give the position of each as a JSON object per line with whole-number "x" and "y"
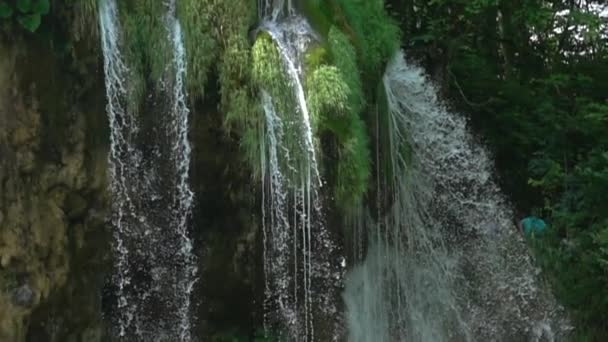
{"x": 155, "y": 268}
{"x": 299, "y": 256}
{"x": 184, "y": 197}
{"x": 445, "y": 261}
{"x": 122, "y": 127}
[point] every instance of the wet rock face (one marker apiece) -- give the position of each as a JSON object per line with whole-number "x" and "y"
{"x": 226, "y": 230}
{"x": 53, "y": 198}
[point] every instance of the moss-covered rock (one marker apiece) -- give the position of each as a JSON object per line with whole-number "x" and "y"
{"x": 327, "y": 97}
{"x": 51, "y": 187}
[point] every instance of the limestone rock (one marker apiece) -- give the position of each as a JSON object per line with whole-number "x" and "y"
{"x": 53, "y": 198}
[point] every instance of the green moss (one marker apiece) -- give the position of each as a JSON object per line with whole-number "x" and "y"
{"x": 329, "y": 99}
{"x": 376, "y": 35}
{"x": 147, "y": 48}
{"x": 335, "y": 98}
{"x": 316, "y": 57}
{"x": 269, "y": 75}
{"x": 353, "y": 168}
{"x": 344, "y": 57}
{"x": 319, "y": 14}
{"x": 147, "y": 41}
{"x": 202, "y": 48}
{"x": 327, "y": 96}
{"x": 230, "y": 22}
{"x": 267, "y": 64}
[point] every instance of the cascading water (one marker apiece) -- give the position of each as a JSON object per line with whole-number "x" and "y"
{"x": 183, "y": 198}
{"x": 444, "y": 261}
{"x": 155, "y": 268}
{"x": 123, "y": 127}
{"x": 300, "y": 276}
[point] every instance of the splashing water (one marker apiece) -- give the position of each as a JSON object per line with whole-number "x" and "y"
{"x": 444, "y": 261}
{"x": 155, "y": 268}
{"x": 184, "y": 197}
{"x": 123, "y": 126}
{"x": 298, "y": 252}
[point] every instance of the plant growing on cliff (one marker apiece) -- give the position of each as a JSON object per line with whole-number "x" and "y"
{"x": 268, "y": 74}
{"x": 344, "y": 57}
{"x": 335, "y": 110}
{"x": 376, "y": 36}
{"x": 196, "y": 17}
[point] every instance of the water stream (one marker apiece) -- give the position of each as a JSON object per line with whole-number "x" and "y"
{"x": 155, "y": 268}
{"x": 444, "y": 261}
{"x": 300, "y": 262}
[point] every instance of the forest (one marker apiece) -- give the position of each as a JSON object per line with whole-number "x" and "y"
{"x": 303, "y": 170}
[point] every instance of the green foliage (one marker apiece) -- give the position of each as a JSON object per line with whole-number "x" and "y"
{"x": 146, "y": 44}
{"x": 269, "y": 75}
{"x": 333, "y": 108}
{"x": 267, "y": 66}
{"x": 195, "y": 17}
{"x": 361, "y": 37}
{"x": 319, "y": 13}
{"x": 231, "y": 20}
{"x": 353, "y": 167}
{"x": 376, "y": 36}
{"x": 30, "y": 22}
{"x": 315, "y": 58}
{"x": 327, "y": 96}
{"x": 5, "y": 10}
{"x": 28, "y": 13}
{"x": 148, "y": 48}
{"x": 345, "y": 58}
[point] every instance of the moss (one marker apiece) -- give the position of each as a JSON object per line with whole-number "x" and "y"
{"x": 231, "y": 21}
{"x": 327, "y": 96}
{"x": 344, "y": 57}
{"x": 202, "y": 48}
{"x": 316, "y": 57}
{"x": 267, "y": 64}
{"x": 376, "y": 35}
{"x": 319, "y": 13}
{"x": 353, "y": 168}
{"x": 269, "y": 75}
{"x": 147, "y": 48}
{"x": 335, "y": 98}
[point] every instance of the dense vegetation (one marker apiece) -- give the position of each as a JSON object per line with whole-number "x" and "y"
{"x": 533, "y": 76}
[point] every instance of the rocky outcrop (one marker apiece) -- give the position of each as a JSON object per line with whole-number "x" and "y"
{"x": 53, "y": 196}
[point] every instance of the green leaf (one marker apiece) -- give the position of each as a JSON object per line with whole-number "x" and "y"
{"x": 5, "y": 10}
{"x": 30, "y": 22}
{"x": 24, "y": 5}
{"x": 42, "y": 7}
